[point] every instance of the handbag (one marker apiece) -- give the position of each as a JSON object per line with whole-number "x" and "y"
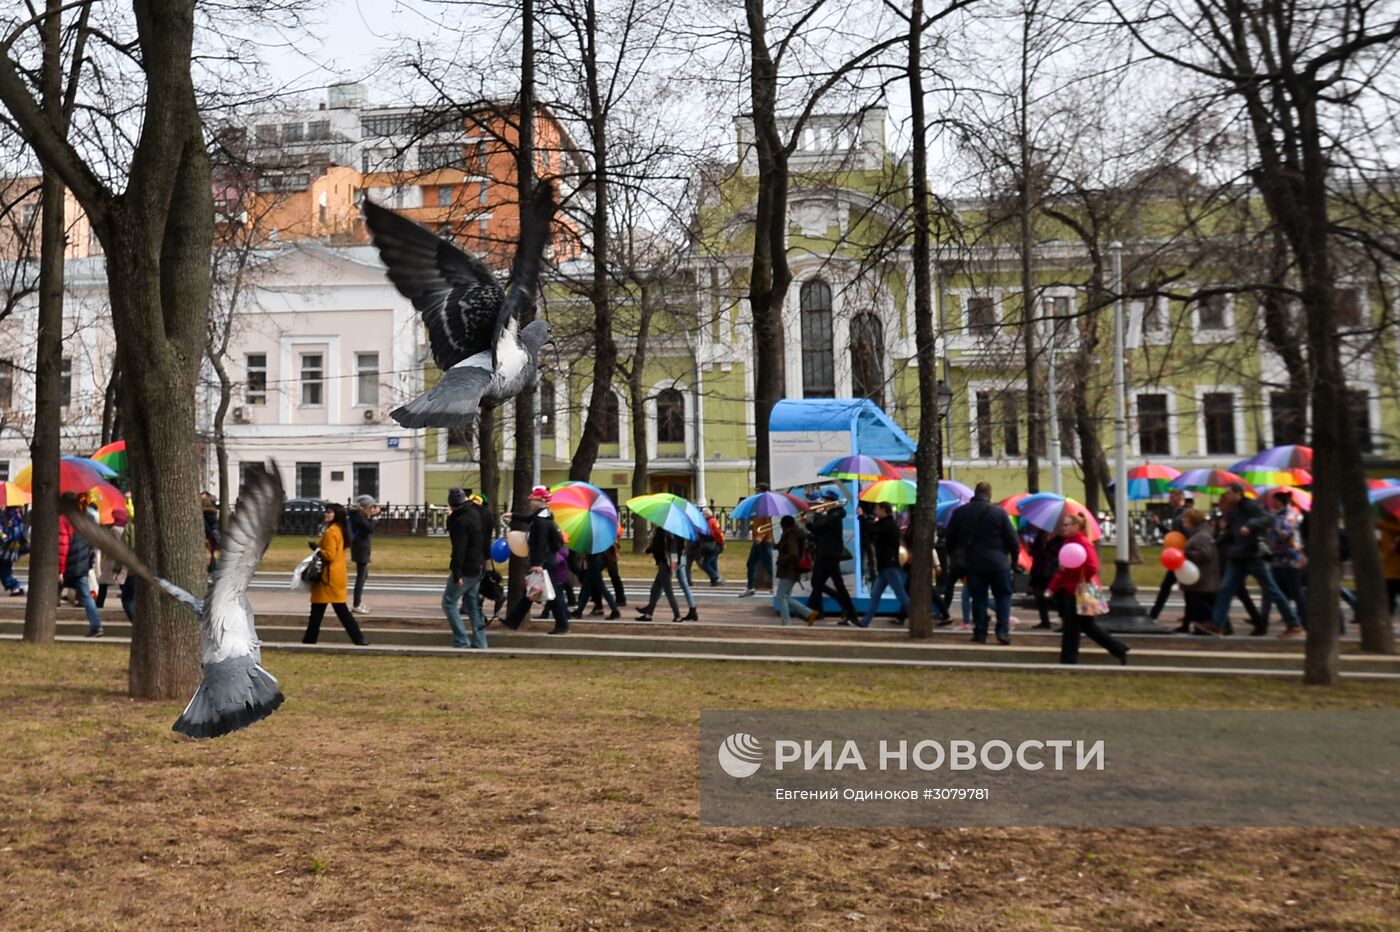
{"x": 313, "y": 568}
{"x": 1089, "y": 598}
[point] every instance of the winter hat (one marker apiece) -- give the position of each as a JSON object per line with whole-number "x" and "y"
{"x": 831, "y": 495}
{"x": 119, "y": 517}
{"x": 365, "y": 501}
{"x": 456, "y": 497}
{"x": 539, "y": 493}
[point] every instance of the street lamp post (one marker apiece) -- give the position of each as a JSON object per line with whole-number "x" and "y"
{"x": 1125, "y": 612}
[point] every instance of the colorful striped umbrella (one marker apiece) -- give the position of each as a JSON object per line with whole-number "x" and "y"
{"x": 113, "y": 456}
{"x": 1300, "y": 498}
{"x": 1285, "y": 457}
{"x": 1382, "y": 483}
{"x": 12, "y": 495}
{"x": 1045, "y": 510}
{"x": 1386, "y": 500}
{"x": 107, "y": 498}
{"x": 1211, "y": 481}
{"x": 672, "y": 513}
{"x": 1150, "y": 480}
{"x": 768, "y": 505}
{"x": 898, "y": 492}
{"x": 860, "y": 467}
{"x": 949, "y": 490}
{"x": 1273, "y": 477}
{"x": 586, "y": 516}
{"x": 75, "y": 474}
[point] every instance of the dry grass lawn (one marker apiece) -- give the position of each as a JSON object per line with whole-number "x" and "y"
{"x": 480, "y": 792}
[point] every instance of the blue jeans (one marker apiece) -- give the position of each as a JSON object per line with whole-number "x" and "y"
{"x": 452, "y": 595}
{"x": 785, "y": 603}
{"x": 128, "y": 591}
{"x": 999, "y": 581}
{"x": 7, "y": 576}
{"x": 94, "y": 620}
{"x": 1235, "y": 573}
{"x": 1290, "y": 583}
{"x": 683, "y": 576}
{"x": 709, "y": 562}
{"x": 893, "y": 577}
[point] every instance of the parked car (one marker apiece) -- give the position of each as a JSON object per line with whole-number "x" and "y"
{"x": 302, "y": 516}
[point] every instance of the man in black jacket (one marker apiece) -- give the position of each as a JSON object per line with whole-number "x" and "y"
{"x": 1176, "y": 500}
{"x": 1245, "y": 540}
{"x": 544, "y": 541}
{"x": 466, "y": 527}
{"x": 828, "y": 530}
{"x": 982, "y": 536}
{"x": 883, "y": 532}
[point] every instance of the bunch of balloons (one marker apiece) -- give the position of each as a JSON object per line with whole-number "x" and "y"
{"x": 1174, "y": 559}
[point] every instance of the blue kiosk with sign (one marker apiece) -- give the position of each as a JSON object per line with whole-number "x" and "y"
{"x": 807, "y": 433}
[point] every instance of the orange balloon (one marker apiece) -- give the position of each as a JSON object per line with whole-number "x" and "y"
{"x": 1175, "y": 540}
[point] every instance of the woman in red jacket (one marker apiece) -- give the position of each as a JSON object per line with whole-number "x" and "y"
{"x": 1074, "y": 530}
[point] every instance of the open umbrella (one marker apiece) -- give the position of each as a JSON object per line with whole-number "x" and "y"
{"x": 898, "y": 492}
{"x": 107, "y": 497}
{"x": 1382, "y": 483}
{"x": 1300, "y": 498}
{"x": 949, "y": 490}
{"x": 586, "y": 516}
{"x": 1211, "y": 481}
{"x": 672, "y": 513}
{"x": 113, "y": 456}
{"x": 861, "y": 467}
{"x": 944, "y": 512}
{"x": 11, "y": 494}
{"x": 1150, "y": 480}
{"x": 1386, "y": 499}
{"x": 1012, "y": 506}
{"x": 1045, "y": 510}
{"x": 75, "y": 474}
{"x": 1289, "y": 456}
{"x": 768, "y": 505}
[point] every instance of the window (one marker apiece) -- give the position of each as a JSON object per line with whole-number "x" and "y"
{"x": 1213, "y": 313}
{"x": 255, "y": 393}
{"x": 308, "y": 480}
{"x": 867, "y": 358}
{"x": 293, "y": 132}
{"x": 981, "y": 316}
{"x": 1289, "y": 419}
{"x": 1348, "y": 303}
{"x": 312, "y": 375}
{"x": 318, "y": 130}
{"x": 547, "y": 404}
{"x": 984, "y": 424}
{"x": 1154, "y": 318}
{"x": 267, "y": 134}
{"x": 65, "y": 382}
{"x": 1154, "y": 430}
{"x": 387, "y": 124}
{"x": 4, "y": 470}
{"x": 612, "y": 419}
{"x": 1011, "y": 422}
{"x": 1358, "y": 404}
{"x": 7, "y": 383}
{"x": 431, "y": 157}
{"x": 444, "y": 196}
{"x": 366, "y": 378}
{"x": 670, "y": 417}
{"x": 482, "y": 194}
{"x": 367, "y": 480}
{"x": 244, "y": 469}
{"x": 1218, "y": 412}
{"x": 818, "y": 362}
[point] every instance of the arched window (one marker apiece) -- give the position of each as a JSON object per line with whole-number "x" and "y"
{"x": 818, "y": 361}
{"x": 546, "y": 411}
{"x": 868, "y": 358}
{"x": 612, "y": 419}
{"x": 670, "y": 417}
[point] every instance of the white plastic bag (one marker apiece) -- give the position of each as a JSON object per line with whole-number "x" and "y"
{"x": 538, "y": 586}
{"x": 299, "y": 584}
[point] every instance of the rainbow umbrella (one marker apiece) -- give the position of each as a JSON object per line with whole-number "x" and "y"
{"x": 1012, "y": 506}
{"x": 768, "y": 505}
{"x": 672, "y": 513}
{"x": 949, "y": 490}
{"x": 861, "y": 467}
{"x": 107, "y": 498}
{"x": 1210, "y": 481}
{"x": 113, "y": 456}
{"x": 1374, "y": 484}
{"x": 1150, "y": 481}
{"x": 1285, "y": 457}
{"x": 1045, "y": 510}
{"x": 1300, "y": 498}
{"x": 898, "y": 492}
{"x": 12, "y": 495}
{"x": 944, "y": 512}
{"x": 1386, "y": 499}
{"x": 75, "y": 474}
{"x": 586, "y": 516}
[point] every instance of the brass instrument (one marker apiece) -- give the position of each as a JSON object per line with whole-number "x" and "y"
{"x": 824, "y": 505}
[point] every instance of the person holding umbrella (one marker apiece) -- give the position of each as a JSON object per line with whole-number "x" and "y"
{"x": 827, "y": 527}
{"x": 1245, "y": 539}
{"x": 543, "y": 540}
{"x": 760, "y": 550}
{"x": 883, "y": 532}
{"x": 662, "y": 550}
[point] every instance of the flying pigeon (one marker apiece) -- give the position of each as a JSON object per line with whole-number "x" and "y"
{"x": 473, "y": 326}
{"x": 236, "y": 691}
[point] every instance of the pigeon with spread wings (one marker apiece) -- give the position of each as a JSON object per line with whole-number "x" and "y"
{"x": 236, "y": 691}
{"x": 473, "y": 325}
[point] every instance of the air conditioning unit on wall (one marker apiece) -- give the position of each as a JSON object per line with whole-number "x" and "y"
{"x": 242, "y": 414}
{"x": 374, "y": 415}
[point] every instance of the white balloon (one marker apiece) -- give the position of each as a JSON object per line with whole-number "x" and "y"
{"x": 518, "y": 546}
{"x": 1188, "y": 574}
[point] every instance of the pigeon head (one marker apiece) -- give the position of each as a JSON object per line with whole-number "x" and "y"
{"x": 536, "y": 334}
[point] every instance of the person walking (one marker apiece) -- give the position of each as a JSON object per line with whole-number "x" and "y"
{"x": 1201, "y": 550}
{"x": 1176, "y": 501}
{"x": 1288, "y": 559}
{"x": 610, "y": 558}
{"x": 14, "y": 543}
{"x": 662, "y": 551}
{"x": 711, "y": 547}
{"x": 1389, "y": 527}
{"x": 788, "y": 573}
{"x": 364, "y": 518}
{"x": 76, "y": 560}
{"x": 686, "y": 552}
{"x": 593, "y": 587}
{"x": 330, "y": 589}
{"x": 1245, "y": 537}
{"x": 761, "y": 548}
{"x": 1045, "y": 552}
{"x": 210, "y": 510}
{"x": 828, "y": 532}
{"x": 109, "y": 572}
{"x": 983, "y": 533}
{"x": 1064, "y": 589}
{"x": 471, "y": 545}
{"x": 543, "y": 542}
{"x": 882, "y": 531}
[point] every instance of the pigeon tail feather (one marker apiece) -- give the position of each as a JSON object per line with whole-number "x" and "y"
{"x": 454, "y": 400}
{"x": 234, "y": 694}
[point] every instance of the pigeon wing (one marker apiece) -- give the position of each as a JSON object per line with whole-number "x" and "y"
{"x": 529, "y": 256}
{"x": 250, "y": 531}
{"x": 99, "y": 537}
{"x": 454, "y": 292}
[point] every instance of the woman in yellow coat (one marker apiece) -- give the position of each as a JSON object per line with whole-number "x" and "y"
{"x": 331, "y": 588}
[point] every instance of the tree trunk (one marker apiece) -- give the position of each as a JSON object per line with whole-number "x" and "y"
{"x": 110, "y": 408}
{"x": 1372, "y": 602}
{"x": 221, "y": 436}
{"x": 636, "y": 401}
{"x": 489, "y": 458}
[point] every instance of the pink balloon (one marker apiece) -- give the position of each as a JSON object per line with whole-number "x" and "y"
{"x": 1072, "y": 556}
